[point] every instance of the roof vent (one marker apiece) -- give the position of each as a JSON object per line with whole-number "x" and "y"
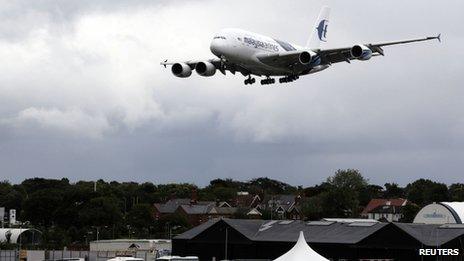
{"x": 320, "y": 223}
{"x": 362, "y": 224}
{"x": 267, "y": 226}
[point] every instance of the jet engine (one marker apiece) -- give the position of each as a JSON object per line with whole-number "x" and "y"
{"x": 205, "y": 69}
{"x": 306, "y": 57}
{"x": 181, "y": 70}
{"x": 361, "y": 52}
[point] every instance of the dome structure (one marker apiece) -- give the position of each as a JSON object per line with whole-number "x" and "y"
{"x": 301, "y": 251}
{"x": 441, "y": 213}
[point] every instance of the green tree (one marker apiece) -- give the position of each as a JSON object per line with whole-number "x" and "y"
{"x": 140, "y": 218}
{"x": 343, "y": 197}
{"x": 271, "y": 186}
{"x": 457, "y": 192}
{"x": 424, "y": 191}
{"x": 312, "y": 208}
{"x": 316, "y": 190}
{"x": 348, "y": 179}
{"x": 10, "y": 198}
{"x": 392, "y": 190}
{"x": 100, "y": 212}
{"x": 40, "y": 207}
{"x": 369, "y": 192}
{"x": 409, "y": 213}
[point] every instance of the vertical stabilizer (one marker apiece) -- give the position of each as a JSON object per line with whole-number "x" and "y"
{"x": 319, "y": 32}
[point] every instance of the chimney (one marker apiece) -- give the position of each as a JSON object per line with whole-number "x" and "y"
{"x": 297, "y": 200}
{"x": 194, "y": 197}
{"x": 172, "y": 196}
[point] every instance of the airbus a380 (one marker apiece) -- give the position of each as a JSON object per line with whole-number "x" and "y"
{"x": 254, "y": 54}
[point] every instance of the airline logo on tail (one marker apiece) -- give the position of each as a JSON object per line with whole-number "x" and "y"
{"x": 322, "y": 30}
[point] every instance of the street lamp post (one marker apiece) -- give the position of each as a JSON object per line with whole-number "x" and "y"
{"x": 98, "y": 243}
{"x": 20, "y": 230}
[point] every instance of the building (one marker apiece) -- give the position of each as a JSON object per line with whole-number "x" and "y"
{"x": 195, "y": 212}
{"x": 116, "y": 245}
{"x": 390, "y": 210}
{"x": 283, "y": 206}
{"x": 245, "y": 200}
{"x": 8, "y": 218}
{"x": 441, "y": 213}
{"x": 264, "y": 239}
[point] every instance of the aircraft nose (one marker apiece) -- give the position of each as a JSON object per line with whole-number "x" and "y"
{"x": 216, "y": 47}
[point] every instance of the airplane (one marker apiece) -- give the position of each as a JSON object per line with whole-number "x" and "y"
{"x": 254, "y": 54}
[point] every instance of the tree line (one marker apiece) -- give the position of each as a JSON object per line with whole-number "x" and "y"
{"x": 71, "y": 214}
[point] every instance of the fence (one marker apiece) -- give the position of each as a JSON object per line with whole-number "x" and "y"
{"x": 9, "y": 255}
{"x": 41, "y": 255}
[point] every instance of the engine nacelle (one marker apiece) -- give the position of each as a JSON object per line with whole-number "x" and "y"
{"x": 306, "y": 57}
{"x": 181, "y": 70}
{"x": 361, "y": 52}
{"x": 205, "y": 69}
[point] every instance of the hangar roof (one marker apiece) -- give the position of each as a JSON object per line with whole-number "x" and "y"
{"x": 327, "y": 232}
{"x": 432, "y": 235}
{"x": 288, "y": 230}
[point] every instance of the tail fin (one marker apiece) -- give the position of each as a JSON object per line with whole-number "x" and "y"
{"x": 319, "y": 33}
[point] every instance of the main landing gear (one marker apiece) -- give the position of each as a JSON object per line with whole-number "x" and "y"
{"x": 288, "y": 79}
{"x": 267, "y": 81}
{"x": 250, "y": 80}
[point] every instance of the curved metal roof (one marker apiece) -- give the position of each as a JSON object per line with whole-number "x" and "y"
{"x": 12, "y": 234}
{"x": 457, "y": 209}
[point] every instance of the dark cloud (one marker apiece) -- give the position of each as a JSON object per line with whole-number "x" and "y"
{"x": 82, "y": 94}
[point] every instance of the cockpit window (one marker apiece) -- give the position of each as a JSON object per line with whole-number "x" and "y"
{"x": 219, "y": 37}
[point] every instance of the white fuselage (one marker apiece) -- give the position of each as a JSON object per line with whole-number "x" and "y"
{"x": 241, "y": 47}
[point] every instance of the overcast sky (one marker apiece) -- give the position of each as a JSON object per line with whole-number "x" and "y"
{"x": 82, "y": 94}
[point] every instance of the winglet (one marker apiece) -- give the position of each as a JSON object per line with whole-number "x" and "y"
{"x": 439, "y": 38}
{"x": 164, "y": 63}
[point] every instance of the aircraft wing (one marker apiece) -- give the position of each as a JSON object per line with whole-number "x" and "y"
{"x": 337, "y": 55}
{"x": 281, "y": 60}
{"x": 192, "y": 64}
{"x": 221, "y": 65}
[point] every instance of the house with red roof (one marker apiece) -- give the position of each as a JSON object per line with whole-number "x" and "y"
{"x": 390, "y": 210}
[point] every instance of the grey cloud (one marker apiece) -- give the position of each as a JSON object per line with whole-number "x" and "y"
{"x": 82, "y": 94}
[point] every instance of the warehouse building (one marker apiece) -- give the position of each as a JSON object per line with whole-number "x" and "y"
{"x": 353, "y": 240}
{"x": 131, "y": 245}
{"x": 441, "y": 213}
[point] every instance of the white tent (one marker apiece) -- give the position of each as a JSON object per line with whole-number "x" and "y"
{"x": 301, "y": 251}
